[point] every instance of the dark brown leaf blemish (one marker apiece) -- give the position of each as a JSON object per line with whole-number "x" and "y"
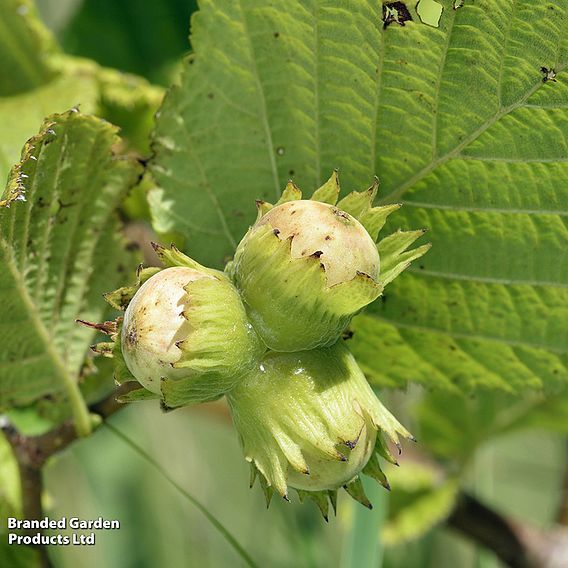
{"x": 395, "y": 12}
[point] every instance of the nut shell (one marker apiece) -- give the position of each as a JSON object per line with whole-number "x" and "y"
{"x": 154, "y": 323}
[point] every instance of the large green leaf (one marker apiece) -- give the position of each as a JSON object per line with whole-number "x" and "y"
{"x": 59, "y": 83}
{"x": 60, "y": 249}
{"x": 458, "y": 123}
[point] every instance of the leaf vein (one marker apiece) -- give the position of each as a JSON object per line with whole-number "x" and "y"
{"x": 471, "y": 336}
{"x": 485, "y": 279}
{"x": 397, "y": 193}
{"x": 263, "y": 107}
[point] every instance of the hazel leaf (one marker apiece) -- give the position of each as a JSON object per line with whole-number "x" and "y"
{"x": 476, "y": 153}
{"x": 60, "y": 248}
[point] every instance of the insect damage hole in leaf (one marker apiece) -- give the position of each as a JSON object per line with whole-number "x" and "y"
{"x": 549, "y": 74}
{"x": 429, "y": 12}
{"x": 395, "y": 12}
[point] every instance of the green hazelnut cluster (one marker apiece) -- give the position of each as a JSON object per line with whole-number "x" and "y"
{"x": 267, "y": 334}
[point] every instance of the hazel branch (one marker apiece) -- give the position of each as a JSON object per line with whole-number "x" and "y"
{"x": 517, "y": 544}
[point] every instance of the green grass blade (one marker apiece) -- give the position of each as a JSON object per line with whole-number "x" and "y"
{"x": 363, "y": 545}
{"x": 211, "y": 518}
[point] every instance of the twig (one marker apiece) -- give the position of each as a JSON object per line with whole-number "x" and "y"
{"x": 487, "y": 527}
{"x": 562, "y": 517}
{"x": 32, "y": 488}
{"x": 517, "y": 544}
{"x": 31, "y": 453}
{"x": 34, "y": 451}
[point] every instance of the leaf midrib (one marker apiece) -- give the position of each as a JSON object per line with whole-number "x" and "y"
{"x": 58, "y": 363}
{"x": 263, "y": 107}
{"x": 485, "y": 279}
{"x": 397, "y": 193}
{"x": 439, "y": 84}
{"x": 207, "y": 186}
{"x": 500, "y": 210}
{"x": 69, "y": 257}
{"x": 316, "y": 95}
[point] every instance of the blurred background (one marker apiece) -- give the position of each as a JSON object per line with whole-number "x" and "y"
{"x": 519, "y": 475}
{"x": 518, "y": 470}
{"x": 145, "y": 38}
